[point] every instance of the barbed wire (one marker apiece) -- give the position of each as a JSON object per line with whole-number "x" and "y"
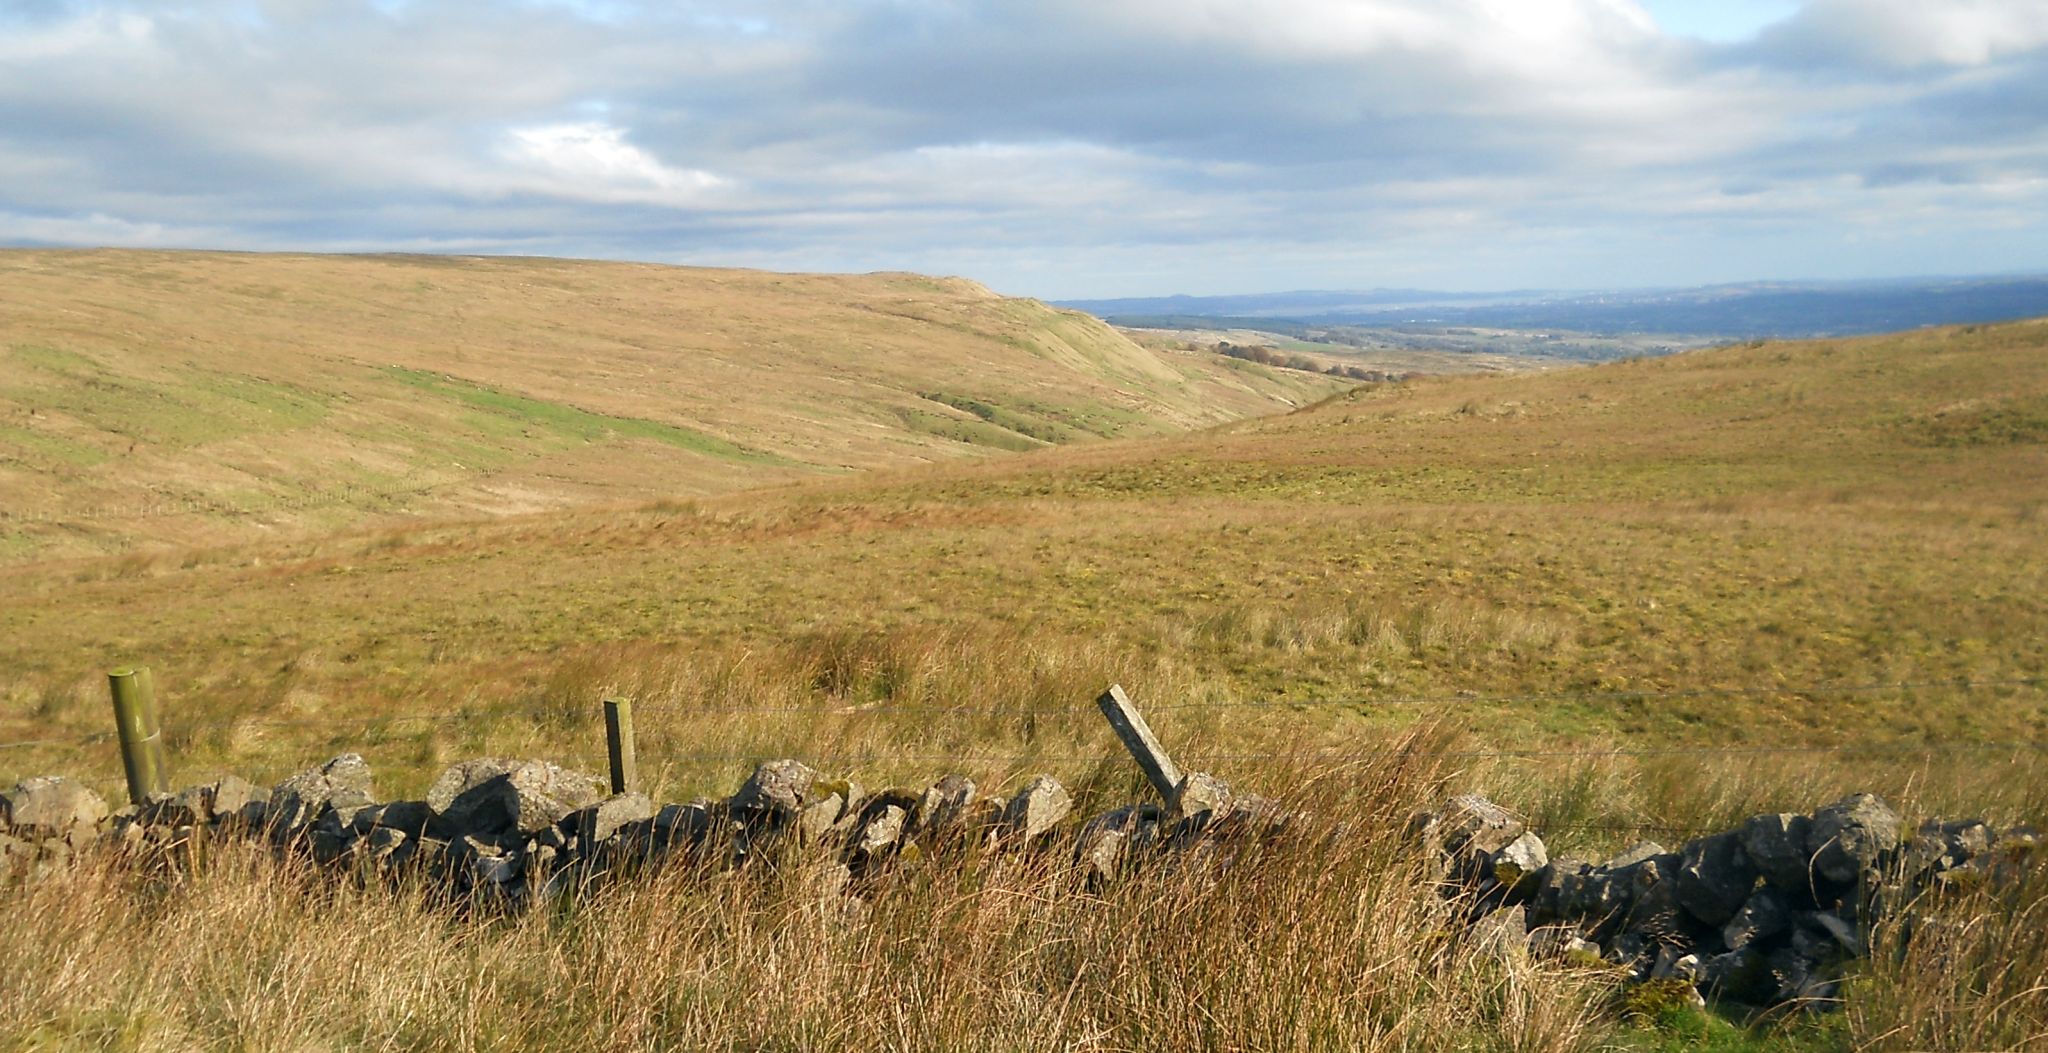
{"x": 556, "y": 710}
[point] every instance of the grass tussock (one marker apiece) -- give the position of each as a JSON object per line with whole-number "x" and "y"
{"x": 1965, "y": 969}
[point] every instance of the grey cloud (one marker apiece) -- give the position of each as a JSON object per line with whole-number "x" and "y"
{"x": 1050, "y": 147}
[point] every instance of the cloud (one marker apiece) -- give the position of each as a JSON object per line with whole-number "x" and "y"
{"x": 1055, "y": 147}
{"x": 1911, "y": 34}
{"x": 592, "y": 161}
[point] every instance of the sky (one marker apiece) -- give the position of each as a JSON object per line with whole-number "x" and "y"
{"x": 1052, "y": 148}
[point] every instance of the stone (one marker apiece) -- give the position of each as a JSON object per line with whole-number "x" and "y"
{"x": 1102, "y": 855}
{"x": 484, "y": 860}
{"x": 1847, "y": 837}
{"x": 682, "y": 824}
{"x": 410, "y": 817}
{"x": 342, "y": 821}
{"x": 779, "y": 788}
{"x": 497, "y": 870}
{"x": 988, "y": 811}
{"x": 880, "y": 833}
{"x": 1501, "y": 934}
{"x": 1519, "y": 866}
{"x": 943, "y": 809}
{"x": 1943, "y": 846}
{"x": 1631, "y": 951}
{"x": 1636, "y": 853}
{"x": 1596, "y": 897}
{"x": 1653, "y": 908}
{"x": 51, "y": 806}
{"x": 1741, "y": 975}
{"x": 1763, "y": 916}
{"x": 1199, "y": 793}
{"x": 385, "y": 838}
{"x": 230, "y": 797}
{"x": 818, "y": 818}
{"x": 1714, "y": 878}
{"x": 191, "y": 806}
{"x": 1839, "y": 930}
{"x": 1469, "y": 820}
{"x": 298, "y": 802}
{"x": 1105, "y": 842}
{"x": 1559, "y": 881}
{"x": 1796, "y": 976}
{"x": 1037, "y": 808}
{"x": 601, "y": 821}
{"x": 1665, "y": 963}
{"x": 328, "y": 845}
{"x": 494, "y": 796}
{"x": 1776, "y": 846}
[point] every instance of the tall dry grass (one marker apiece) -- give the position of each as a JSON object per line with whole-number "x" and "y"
{"x": 1963, "y": 970}
{"x": 1326, "y": 940}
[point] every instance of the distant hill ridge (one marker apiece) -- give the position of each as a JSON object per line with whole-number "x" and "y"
{"x": 1733, "y": 311}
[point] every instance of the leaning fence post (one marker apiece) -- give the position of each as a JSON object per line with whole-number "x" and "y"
{"x": 142, "y": 743}
{"x": 1130, "y": 726}
{"x": 618, "y": 735}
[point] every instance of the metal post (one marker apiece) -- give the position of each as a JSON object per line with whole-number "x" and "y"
{"x": 618, "y": 734}
{"x": 142, "y": 743}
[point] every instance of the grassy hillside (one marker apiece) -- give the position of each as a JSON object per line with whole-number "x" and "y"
{"x": 202, "y": 397}
{"x": 1752, "y": 520}
{"x": 1488, "y": 583}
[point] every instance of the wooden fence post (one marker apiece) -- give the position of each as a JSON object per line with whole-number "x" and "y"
{"x": 1130, "y": 726}
{"x": 618, "y": 735}
{"x": 142, "y": 743}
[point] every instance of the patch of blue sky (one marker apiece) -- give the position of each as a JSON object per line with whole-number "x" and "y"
{"x": 1719, "y": 21}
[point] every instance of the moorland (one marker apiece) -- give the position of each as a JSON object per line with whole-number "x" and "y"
{"x": 1626, "y": 600}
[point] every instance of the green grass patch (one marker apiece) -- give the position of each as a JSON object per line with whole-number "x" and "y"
{"x": 189, "y": 408}
{"x": 40, "y": 449}
{"x": 2014, "y": 422}
{"x": 1020, "y": 421}
{"x": 48, "y": 359}
{"x": 971, "y": 432}
{"x": 511, "y": 415}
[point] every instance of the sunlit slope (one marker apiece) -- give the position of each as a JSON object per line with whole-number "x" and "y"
{"x": 1750, "y": 521}
{"x": 201, "y": 396}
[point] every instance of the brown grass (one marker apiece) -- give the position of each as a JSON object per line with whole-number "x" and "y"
{"x": 1321, "y": 942}
{"x": 1562, "y": 560}
{"x": 186, "y": 399}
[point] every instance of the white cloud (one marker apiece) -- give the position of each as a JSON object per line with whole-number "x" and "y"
{"x": 592, "y": 161}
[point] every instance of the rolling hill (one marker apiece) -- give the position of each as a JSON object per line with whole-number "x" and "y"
{"x": 183, "y": 398}
{"x": 1756, "y": 519}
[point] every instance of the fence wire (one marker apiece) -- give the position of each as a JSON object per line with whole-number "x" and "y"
{"x": 1338, "y": 754}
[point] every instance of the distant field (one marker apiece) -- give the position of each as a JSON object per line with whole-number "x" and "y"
{"x": 1384, "y": 356}
{"x": 197, "y": 398}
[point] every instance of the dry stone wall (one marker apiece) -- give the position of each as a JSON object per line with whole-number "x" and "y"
{"x": 1765, "y": 913}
